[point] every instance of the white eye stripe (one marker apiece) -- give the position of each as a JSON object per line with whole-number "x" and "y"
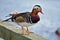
{"x": 36, "y": 7}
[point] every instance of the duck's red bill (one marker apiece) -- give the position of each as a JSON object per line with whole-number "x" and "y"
{"x": 41, "y": 12}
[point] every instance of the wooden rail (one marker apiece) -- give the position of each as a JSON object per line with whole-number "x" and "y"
{"x": 8, "y": 32}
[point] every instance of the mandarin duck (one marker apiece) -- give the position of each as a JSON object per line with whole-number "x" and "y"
{"x": 26, "y": 18}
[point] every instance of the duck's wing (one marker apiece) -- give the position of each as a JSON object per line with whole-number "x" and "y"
{"x": 23, "y": 17}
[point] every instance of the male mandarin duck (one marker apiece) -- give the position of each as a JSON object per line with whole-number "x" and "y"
{"x": 26, "y": 18}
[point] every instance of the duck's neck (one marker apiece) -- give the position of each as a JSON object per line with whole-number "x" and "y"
{"x": 34, "y": 12}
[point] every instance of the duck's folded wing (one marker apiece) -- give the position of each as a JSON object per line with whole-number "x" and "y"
{"x": 23, "y": 17}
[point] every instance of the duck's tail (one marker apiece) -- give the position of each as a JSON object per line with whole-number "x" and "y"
{"x": 6, "y": 20}
{"x": 9, "y": 15}
{"x": 12, "y": 18}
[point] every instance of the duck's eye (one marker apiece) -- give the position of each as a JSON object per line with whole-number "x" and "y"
{"x": 37, "y": 8}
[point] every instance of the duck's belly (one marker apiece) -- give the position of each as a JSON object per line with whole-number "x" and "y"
{"x": 25, "y": 24}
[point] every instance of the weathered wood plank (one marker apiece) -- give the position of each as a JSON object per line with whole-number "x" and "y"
{"x": 8, "y": 32}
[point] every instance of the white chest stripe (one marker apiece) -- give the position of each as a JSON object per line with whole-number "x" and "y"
{"x": 30, "y": 20}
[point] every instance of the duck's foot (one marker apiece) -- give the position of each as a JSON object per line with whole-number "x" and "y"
{"x": 23, "y": 30}
{"x": 27, "y": 32}
{"x": 30, "y": 31}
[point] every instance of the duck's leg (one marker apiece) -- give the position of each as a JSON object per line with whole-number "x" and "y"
{"x": 22, "y": 30}
{"x": 27, "y": 31}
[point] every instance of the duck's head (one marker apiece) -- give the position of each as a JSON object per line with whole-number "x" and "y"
{"x": 37, "y": 8}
